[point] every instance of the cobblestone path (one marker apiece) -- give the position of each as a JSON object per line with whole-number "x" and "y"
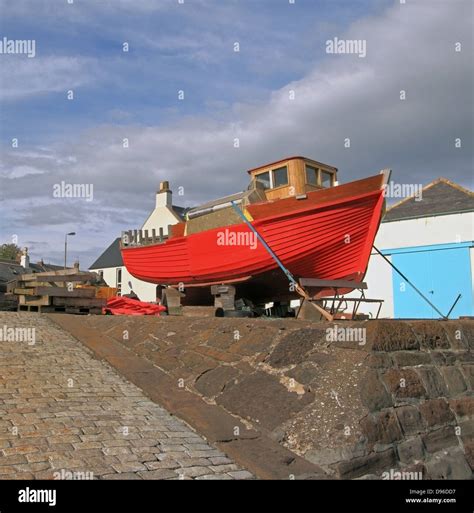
{"x": 65, "y": 414}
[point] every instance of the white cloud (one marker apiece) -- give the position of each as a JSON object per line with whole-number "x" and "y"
{"x": 23, "y": 77}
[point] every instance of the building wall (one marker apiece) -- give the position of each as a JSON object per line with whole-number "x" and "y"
{"x": 145, "y": 291}
{"x": 162, "y": 215}
{"x": 412, "y": 233}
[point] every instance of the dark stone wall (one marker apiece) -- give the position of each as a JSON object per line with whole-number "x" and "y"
{"x": 419, "y": 395}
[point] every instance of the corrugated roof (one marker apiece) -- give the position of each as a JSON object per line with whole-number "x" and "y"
{"x": 111, "y": 257}
{"x": 439, "y": 197}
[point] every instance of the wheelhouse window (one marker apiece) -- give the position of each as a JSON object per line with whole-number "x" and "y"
{"x": 311, "y": 175}
{"x": 326, "y": 179}
{"x": 264, "y": 179}
{"x": 280, "y": 176}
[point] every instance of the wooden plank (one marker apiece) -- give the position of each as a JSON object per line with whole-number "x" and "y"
{"x": 63, "y": 277}
{"x": 70, "y": 309}
{"x": 340, "y": 284}
{"x": 34, "y": 276}
{"x": 62, "y": 291}
{"x": 34, "y": 300}
{"x": 79, "y": 301}
{"x": 30, "y": 284}
{"x": 25, "y": 292}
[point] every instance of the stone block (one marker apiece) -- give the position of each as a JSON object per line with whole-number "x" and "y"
{"x": 404, "y": 383}
{"x": 433, "y": 381}
{"x": 212, "y": 383}
{"x": 394, "y": 336}
{"x": 466, "y": 333}
{"x": 463, "y": 407}
{"x": 381, "y": 428}
{"x": 305, "y": 373}
{"x": 465, "y": 429}
{"x": 435, "y": 412}
{"x": 468, "y": 372}
{"x": 373, "y": 393}
{"x": 465, "y": 357}
{"x": 410, "y": 420}
{"x": 374, "y": 463}
{"x": 411, "y": 358}
{"x": 263, "y": 399}
{"x": 450, "y": 464}
{"x": 328, "y": 456}
{"x": 440, "y": 439}
{"x": 295, "y": 346}
{"x": 469, "y": 452}
{"x": 454, "y": 380}
{"x": 379, "y": 360}
{"x": 410, "y": 450}
{"x": 431, "y": 335}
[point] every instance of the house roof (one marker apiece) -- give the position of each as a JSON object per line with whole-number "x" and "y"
{"x": 111, "y": 257}
{"x": 10, "y": 269}
{"x": 181, "y": 211}
{"x": 439, "y": 197}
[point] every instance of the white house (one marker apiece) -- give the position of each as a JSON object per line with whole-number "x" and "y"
{"x": 430, "y": 240}
{"x": 110, "y": 263}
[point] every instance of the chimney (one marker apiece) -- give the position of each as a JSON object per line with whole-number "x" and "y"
{"x": 163, "y": 196}
{"x": 76, "y": 265}
{"x": 25, "y": 259}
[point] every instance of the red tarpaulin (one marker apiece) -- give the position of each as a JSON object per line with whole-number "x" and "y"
{"x": 125, "y": 306}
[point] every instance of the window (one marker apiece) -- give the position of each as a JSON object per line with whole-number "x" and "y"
{"x": 280, "y": 176}
{"x": 326, "y": 179}
{"x": 264, "y": 179}
{"x": 311, "y": 175}
{"x": 118, "y": 277}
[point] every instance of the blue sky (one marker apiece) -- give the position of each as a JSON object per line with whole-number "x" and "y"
{"x": 190, "y": 47}
{"x": 172, "y": 47}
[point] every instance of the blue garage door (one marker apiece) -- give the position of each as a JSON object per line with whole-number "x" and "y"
{"x": 441, "y": 272}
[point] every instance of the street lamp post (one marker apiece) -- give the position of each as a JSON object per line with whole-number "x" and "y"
{"x": 65, "y": 247}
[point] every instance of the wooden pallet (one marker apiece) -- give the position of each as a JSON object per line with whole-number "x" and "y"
{"x": 78, "y": 310}
{"x": 66, "y": 291}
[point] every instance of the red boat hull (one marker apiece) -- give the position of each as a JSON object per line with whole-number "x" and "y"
{"x": 329, "y": 236}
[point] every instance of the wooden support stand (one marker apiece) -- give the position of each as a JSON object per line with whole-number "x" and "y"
{"x": 337, "y": 305}
{"x": 171, "y": 298}
{"x": 224, "y": 296}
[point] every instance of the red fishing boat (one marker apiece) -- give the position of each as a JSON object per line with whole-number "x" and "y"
{"x": 315, "y": 227}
